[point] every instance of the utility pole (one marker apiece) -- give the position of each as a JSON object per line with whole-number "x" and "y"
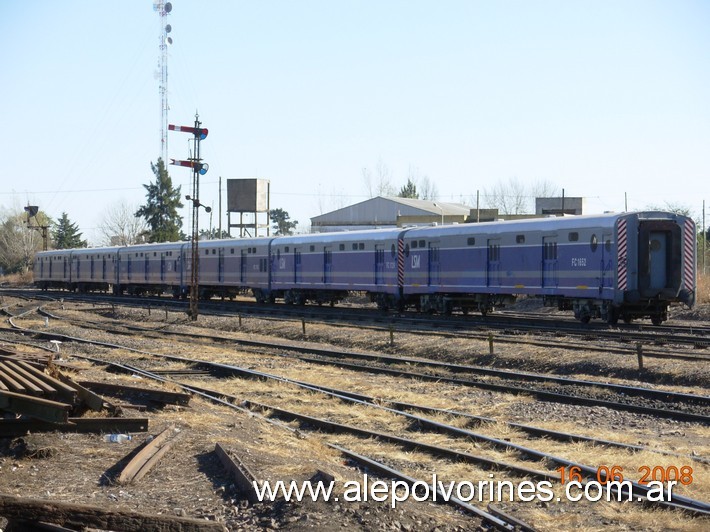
{"x": 198, "y": 168}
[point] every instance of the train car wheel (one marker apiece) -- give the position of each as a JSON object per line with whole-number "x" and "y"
{"x": 657, "y": 319}
{"x": 585, "y": 319}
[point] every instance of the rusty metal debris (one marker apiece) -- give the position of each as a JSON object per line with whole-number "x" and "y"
{"x": 34, "y": 401}
{"x": 35, "y": 407}
{"x": 20, "y": 427}
{"x": 79, "y": 516}
{"x": 243, "y": 478}
{"x": 147, "y": 457}
{"x": 134, "y": 392}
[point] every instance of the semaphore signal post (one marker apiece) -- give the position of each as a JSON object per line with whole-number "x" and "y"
{"x": 198, "y": 168}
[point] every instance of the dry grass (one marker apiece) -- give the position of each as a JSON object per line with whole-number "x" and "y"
{"x": 703, "y": 289}
{"x": 17, "y": 279}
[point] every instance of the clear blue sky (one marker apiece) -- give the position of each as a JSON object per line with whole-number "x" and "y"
{"x": 599, "y": 98}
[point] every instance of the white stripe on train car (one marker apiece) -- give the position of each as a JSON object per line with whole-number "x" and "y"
{"x": 623, "y": 253}
{"x": 689, "y": 255}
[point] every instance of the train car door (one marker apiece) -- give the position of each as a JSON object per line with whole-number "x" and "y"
{"x": 549, "y": 261}
{"x": 103, "y": 268}
{"x": 78, "y": 268}
{"x": 129, "y": 266}
{"x": 162, "y": 266}
{"x": 296, "y": 265}
{"x": 327, "y": 265}
{"x": 607, "y": 279}
{"x": 434, "y": 264}
{"x": 50, "y": 267}
{"x": 220, "y": 265}
{"x": 657, "y": 256}
{"x": 91, "y": 268}
{"x": 242, "y": 265}
{"x": 147, "y": 266}
{"x": 379, "y": 264}
{"x": 493, "y": 262}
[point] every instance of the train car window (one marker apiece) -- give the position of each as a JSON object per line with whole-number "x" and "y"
{"x": 313, "y": 248}
{"x": 207, "y": 252}
{"x": 520, "y": 239}
{"x": 422, "y": 244}
{"x": 354, "y": 246}
{"x": 286, "y": 249}
{"x": 471, "y": 241}
{"x": 573, "y": 236}
{"x": 415, "y": 245}
{"x": 594, "y": 243}
{"x": 231, "y": 251}
{"x": 361, "y": 245}
{"x": 278, "y": 254}
{"x": 342, "y": 247}
{"x": 392, "y": 250}
{"x": 406, "y": 250}
{"x": 214, "y": 251}
{"x": 607, "y": 245}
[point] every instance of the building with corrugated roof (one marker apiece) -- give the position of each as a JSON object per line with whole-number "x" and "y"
{"x": 390, "y": 211}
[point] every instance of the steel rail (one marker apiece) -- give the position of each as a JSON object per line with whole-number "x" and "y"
{"x": 698, "y": 336}
{"x": 661, "y": 395}
{"x": 637, "y": 490}
{"x": 237, "y": 404}
{"x": 539, "y": 394}
{"x": 688, "y": 504}
{"x": 535, "y": 431}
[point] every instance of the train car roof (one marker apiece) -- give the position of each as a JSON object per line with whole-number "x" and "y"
{"x": 257, "y": 241}
{"x": 80, "y": 250}
{"x": 339, "y": 236}
{"x": 552, "y": 223}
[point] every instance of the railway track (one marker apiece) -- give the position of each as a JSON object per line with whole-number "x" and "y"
{"x": 637, "y": 399}
{"x": 414, "y": 413}
{"x": 638, "y": 491}
{"x": 508, "y": 326}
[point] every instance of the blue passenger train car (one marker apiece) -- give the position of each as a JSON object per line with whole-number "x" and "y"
{"x": 612, "y": 266}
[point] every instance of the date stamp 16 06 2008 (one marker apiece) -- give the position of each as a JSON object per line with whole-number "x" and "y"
{"x": 680, "y": 475}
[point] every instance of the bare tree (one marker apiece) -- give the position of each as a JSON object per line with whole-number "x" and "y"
{"x": 120, "y": 226}
{"x": 381, "y": 183}
{"x": 18, "y": 243}
{"x": 514, "y": 197}
{"x": 332, "y": 201}
{"x": 428, "y": 189}
{"x": 508, "y": 198}
{"x": 544, "y": 189}
{"x": 425, "y": 187}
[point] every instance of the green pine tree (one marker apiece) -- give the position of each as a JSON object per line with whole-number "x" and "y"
{"x": 409, "y": 190}
{"x": 161, "y": 210}
{"x": 282, "y": 224}
{"x": 66, "y": 234}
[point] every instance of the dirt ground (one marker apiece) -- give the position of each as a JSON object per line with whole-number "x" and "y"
{"x": 189, "y": 481}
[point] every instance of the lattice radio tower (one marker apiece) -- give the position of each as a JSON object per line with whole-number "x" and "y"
{"x": 163, "y": 9}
